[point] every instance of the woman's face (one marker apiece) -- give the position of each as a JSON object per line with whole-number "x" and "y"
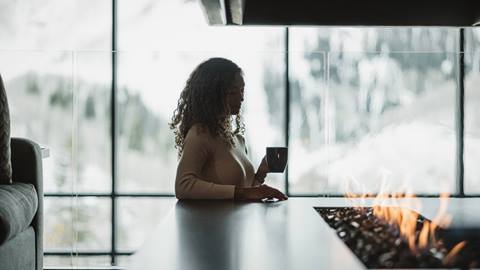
{"x": 235, "y": 94}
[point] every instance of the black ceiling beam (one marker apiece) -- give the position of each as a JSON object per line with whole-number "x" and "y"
{"x": 459, "y": 13}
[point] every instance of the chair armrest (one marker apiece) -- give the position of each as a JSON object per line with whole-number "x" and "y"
{"x": 26, "y": 159}
{"x": 26, "y": 162}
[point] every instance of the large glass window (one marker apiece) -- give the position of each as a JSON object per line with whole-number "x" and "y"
{"x": 58, "y": 87}
{"x": 371, "y": 106}
{"x": 472, "y": 111}
{"x": 148, "y": 95}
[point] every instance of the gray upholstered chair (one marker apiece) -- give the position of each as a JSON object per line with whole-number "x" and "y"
{"x": 21, "y": 210}
{"x": 21, "y": 200}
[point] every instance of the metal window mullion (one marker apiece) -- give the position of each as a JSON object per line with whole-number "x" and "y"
{"x": 117, "y": 195}
{"x": 287, "y": 104}
{"x": 88, "y": 253}
{"x": 113, "y": 118}
{"x": 460, "y": 108}
{"x": 160, "y": 196}
{"x": 374, "y": 195}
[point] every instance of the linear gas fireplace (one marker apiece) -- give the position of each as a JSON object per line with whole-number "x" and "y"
{"x": 396, "y": 237}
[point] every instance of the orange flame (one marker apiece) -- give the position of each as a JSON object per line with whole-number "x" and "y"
{"x": 401, "y": 209}
{"x": 451, "y": 255}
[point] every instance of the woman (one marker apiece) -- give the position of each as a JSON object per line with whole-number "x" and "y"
{"x": 213, "y": 162}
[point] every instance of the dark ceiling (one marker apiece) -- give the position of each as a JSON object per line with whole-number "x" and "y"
{"x": 343, "y": 12}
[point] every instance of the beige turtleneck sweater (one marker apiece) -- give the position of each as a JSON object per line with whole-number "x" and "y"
{"x": 209, "y": 169}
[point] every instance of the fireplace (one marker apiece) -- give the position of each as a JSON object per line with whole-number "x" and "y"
{"x": 380, "y": 243}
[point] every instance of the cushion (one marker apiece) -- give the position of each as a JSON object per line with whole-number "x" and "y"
{"x": 5, "y": 163}
{"x": 18, "y": 205}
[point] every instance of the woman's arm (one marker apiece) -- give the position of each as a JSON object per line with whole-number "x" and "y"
{"x": 258, "y": 193}
{"x": 261, "y": 173}
{"x": 188, "y": 184}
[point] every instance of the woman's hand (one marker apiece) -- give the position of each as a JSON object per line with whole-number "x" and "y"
{"x": 262, "y": 171}
{"x": 258, "y": 193}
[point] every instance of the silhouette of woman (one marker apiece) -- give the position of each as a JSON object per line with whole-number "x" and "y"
{"x": 213, "y": 162}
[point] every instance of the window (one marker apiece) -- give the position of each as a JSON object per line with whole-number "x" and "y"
{"x": 47, "y": 53}
{"x": 472, "y": 112}
{"x": 371, "y": 106}
{"x": 148, "y": 96}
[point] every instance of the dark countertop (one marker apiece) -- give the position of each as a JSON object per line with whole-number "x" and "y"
{"x": 279, "y": 235}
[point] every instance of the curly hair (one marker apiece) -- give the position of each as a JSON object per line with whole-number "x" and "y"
{"x": 203, "y": 100}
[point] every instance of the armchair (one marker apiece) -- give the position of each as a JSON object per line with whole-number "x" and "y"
{"x": 21, "y": 210}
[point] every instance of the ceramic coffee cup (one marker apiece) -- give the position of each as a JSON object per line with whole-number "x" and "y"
{"x": 277, "y": 159}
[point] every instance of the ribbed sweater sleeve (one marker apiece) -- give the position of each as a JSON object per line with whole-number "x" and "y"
{"x": 197, "y": 149}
